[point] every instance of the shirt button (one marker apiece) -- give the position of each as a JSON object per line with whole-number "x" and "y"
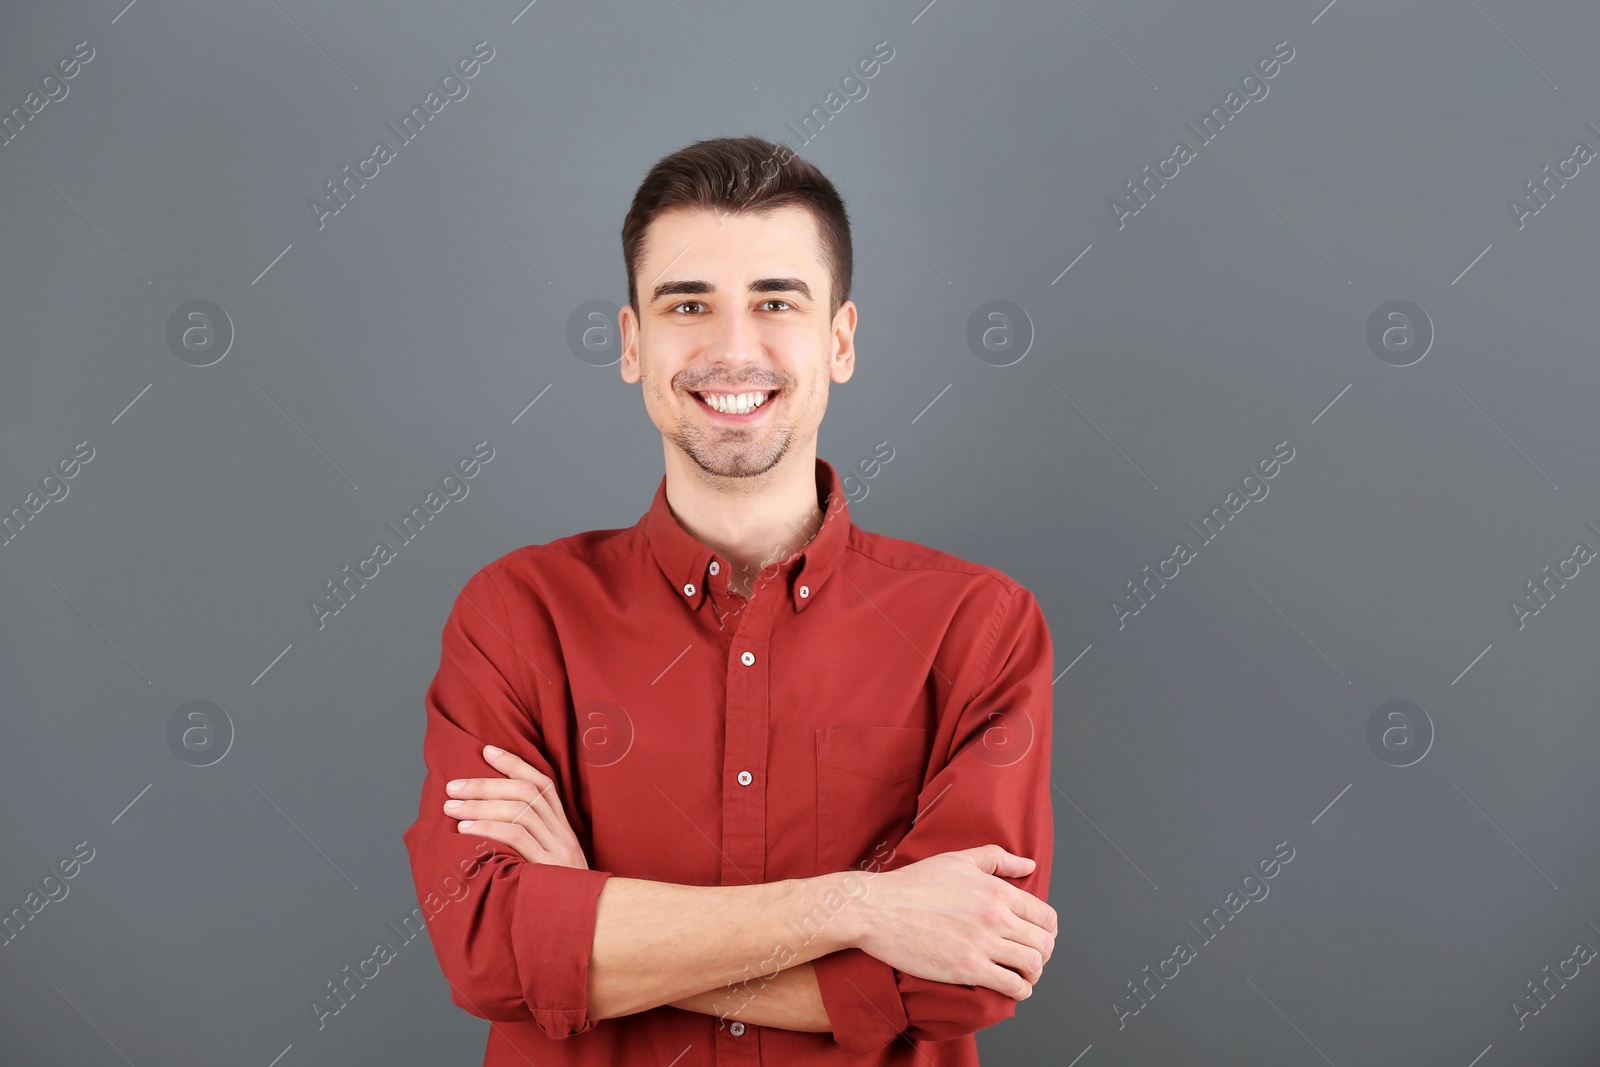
{"x": 714, "y": 567}
{"x": 747, "y": 658}
{"x": 688, "y": 590}
{"x": 736, "y": 1028}
{"x": 744, "y": 778}
{"x": 805, "y": 591}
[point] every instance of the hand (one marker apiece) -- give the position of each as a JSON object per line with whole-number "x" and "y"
{"x": 522, "y": 810}
{"x": 952, "y": 918}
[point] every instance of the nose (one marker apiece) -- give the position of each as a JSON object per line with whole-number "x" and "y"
{"x": 735, "y": 343}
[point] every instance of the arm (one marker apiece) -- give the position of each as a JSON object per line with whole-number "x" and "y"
{"x": 656, "y": 943}
{"x": 563, "y": 945}
{"x": 949, "y": 918}
{"x": 524, "y": 938}
{"x": 512, "y": 945}
{"x": 995, "y": 787}
{"x": 791, "y": 1000}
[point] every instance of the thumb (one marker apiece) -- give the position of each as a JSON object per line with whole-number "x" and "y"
{"x": 994, "y": 859}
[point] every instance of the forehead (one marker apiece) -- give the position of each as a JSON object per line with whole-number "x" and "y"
{"x": 700, "y": 243}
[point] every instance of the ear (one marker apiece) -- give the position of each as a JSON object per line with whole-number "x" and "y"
{"x": 628, "y": 327}
{"x": 843, "y": 362}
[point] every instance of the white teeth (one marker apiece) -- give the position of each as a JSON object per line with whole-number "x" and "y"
{"x": 738, "y": 404}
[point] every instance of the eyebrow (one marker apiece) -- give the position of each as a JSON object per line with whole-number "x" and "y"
{"x": 760, "y": 285}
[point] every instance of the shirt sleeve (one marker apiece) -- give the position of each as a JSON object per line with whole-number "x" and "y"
{"x": 513, "y": 938}
{"x": 995, "y": 787}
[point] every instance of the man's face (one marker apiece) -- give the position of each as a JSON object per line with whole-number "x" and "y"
{"x": 731, "y": 305}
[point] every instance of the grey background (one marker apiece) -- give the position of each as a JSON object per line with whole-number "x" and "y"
{"x": 1230, "y": 314}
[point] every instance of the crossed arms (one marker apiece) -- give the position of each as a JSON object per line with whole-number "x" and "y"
{"x": 942, "y": 945}
{"x": 951, "y": 918}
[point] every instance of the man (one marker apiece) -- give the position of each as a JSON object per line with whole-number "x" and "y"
{"x": 742, "y": 783}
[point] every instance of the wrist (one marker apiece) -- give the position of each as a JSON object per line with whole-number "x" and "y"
{"x": 850, "y": 894}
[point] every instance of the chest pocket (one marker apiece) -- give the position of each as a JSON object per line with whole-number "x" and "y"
{"x": 868, "y": 778}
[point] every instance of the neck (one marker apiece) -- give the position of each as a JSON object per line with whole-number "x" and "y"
{"x": 752, "y": 522}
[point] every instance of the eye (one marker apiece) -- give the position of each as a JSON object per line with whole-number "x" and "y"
{"x": 686, "y": 303}
{"x": 777, "y": 300}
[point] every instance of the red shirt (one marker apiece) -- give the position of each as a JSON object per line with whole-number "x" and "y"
{"x": 873, "y": 703}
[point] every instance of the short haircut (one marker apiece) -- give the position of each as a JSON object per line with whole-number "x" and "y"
{"x": 740, "y": 174}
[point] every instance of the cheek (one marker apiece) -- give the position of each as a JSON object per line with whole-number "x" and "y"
{"x": 661, "y": 389}
{"x": 802, "y": 396}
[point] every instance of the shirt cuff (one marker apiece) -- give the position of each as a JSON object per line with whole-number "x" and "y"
{"x": 552, "y": 938}
{"x": 861, "y": 998}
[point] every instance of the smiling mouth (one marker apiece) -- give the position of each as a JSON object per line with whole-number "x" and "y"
{"x": 738, "y": 404}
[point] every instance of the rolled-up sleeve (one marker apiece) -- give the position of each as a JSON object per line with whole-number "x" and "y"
{"x": 994, "y": 788}
{"x": 516, "y": 943}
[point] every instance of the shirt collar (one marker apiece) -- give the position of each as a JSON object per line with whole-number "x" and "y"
{"x": 686, "y": 562}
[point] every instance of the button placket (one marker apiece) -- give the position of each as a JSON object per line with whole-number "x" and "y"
{"x": 745, "y": 740}
{"x": 744, "y": 800}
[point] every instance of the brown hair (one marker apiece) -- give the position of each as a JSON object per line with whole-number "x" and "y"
{"x": 740, "y": 174}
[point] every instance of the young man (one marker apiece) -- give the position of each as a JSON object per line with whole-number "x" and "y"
{"x": 742, "y": 783}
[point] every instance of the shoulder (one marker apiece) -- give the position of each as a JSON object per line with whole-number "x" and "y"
{"x": 983, "y": 600}
{"x": 993, "y": 619}
{"x": 532, "y": 567}
{"x": 894, "y": 553}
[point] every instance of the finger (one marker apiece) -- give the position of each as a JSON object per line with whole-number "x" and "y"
{"x": 502, "y": 789}
{"x": 514, "y": 766}
{"x": 994, "y": 859}
{"x": 1011, "y": 865}
{"x": 519, "y": 769}
{"x": 546, "y": 802}
{"x": 515, "y": 812}
{"x": 1026, "y": 906}
{"x": 522, "y": 795}
{"x": 1034, "y": 937}
{"x": 1003, "y": 980}
{"x": 1023, "y": 959}
{"x": 510, "y": 834}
